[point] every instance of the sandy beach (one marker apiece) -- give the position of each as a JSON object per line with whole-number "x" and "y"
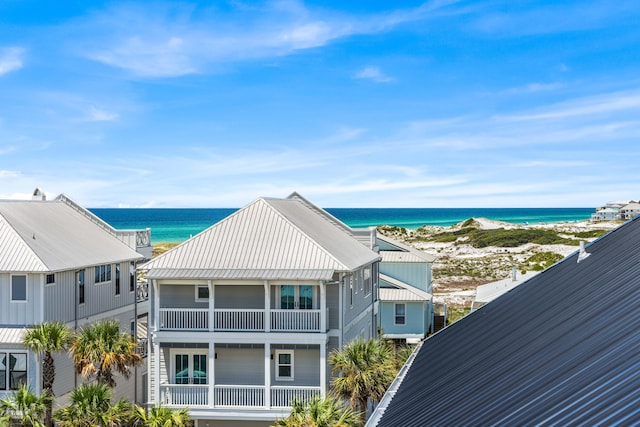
{"x": 460, "y": 267}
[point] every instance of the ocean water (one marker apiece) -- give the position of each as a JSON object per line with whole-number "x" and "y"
{"x": 177, "y": 225}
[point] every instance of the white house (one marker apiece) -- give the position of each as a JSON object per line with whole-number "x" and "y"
{"x": 630, "y": 210}
{"x": 59, "y": 262}
{"x": 244, "y": 315}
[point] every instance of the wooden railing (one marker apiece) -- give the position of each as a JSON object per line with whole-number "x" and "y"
{"x": 197, "y": 319}
{"x": 233, "y": 396}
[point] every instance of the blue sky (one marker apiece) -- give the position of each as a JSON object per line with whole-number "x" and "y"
{"x": 352, "y": 104}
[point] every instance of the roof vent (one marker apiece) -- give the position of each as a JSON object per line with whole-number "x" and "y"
{"x": 38, "y": 195}
{"x": 583, "y": 253}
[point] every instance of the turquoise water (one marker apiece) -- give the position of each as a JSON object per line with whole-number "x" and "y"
{"x": 176, "y": 225}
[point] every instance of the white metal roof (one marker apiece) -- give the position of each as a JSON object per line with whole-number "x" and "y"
{"x": 401, "y": 291}
{"x": 276, "y": 238}
{"x": 41, "y": 236}
{"x": 491, "y": 291}
{"x": 11, "y": 335}
{"x": 418, "y": 255}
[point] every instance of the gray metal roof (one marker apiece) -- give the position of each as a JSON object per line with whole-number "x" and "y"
{"x": 400, "y": 256}
{"x": 11, "y": 335}
{"x": 401, "y": 292}
{"x": 562, "y": 348}
{"x": 267, "y": 238}
{"x": 263, "y": 274}
{"x": 41, "y": 236}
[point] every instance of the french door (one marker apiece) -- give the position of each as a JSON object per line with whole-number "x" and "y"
{"x": 190, "y": 367}
{"x": 296, "y": 297}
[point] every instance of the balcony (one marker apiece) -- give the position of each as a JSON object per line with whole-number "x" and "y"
{"x": 233, "y": 396}
{"x": 241, "y": 320}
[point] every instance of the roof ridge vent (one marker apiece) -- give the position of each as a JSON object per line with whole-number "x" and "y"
{"x": 583, "y": 252}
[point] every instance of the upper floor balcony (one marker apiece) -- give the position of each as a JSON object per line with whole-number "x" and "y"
{"x": 244, "y": 308}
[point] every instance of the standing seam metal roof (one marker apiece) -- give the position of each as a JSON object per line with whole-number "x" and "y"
{"x": 562, "y": 348}
{"x": 267, "y": 235}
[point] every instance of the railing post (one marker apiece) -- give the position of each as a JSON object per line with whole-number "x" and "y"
{"x": 267, "y": 375}
{"x": 210, "y": 314}
{"x": 211, "y": 373}
{"x": 267, "y": 306}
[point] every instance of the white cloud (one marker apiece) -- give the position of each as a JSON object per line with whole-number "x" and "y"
{"x": 11, "y": 59}
{"x": 98, "y": 115}
{"x": 535, "y": 87}
{"x": 374, "y": 74}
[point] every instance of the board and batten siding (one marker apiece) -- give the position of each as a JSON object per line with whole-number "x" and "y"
{"x": 417, "y": 275}
{"x": 101, "y": 297}
{"x": 416, "y": 318}
{"x": 239, "y": 296}
{"x": 333, "y": 304}
{"x": 21, "y": 313}
{"x": 60, "y": 297}
{"x": 180, "y": 296}
{"x": 354, "y": 308}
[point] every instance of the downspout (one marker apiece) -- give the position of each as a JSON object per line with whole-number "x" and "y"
{"x": 76, "y": 276}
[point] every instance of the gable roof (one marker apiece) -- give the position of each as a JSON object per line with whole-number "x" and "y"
{"x": 562, "y": 348}
{"x": 269, "y": 238}
{"x": 401, "y": 251}
{"x": 41, "y": 236}
{"x": 401, "y": 291}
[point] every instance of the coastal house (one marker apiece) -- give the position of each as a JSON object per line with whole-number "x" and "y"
{"x": 244, "y": 314}
{"x": 630, "y": 210}
{"x": 609, "y": 212}
{"x": 59, "y": 262}
{"x": 537, "y": 355}
{"x": 405, "y": 306}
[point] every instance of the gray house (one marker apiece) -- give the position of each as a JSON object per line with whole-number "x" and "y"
{"x": 560, "y": 349}
{"x": 244, "y": 314}
{"x": 59, "y": 262}
{"x": 405, "y": 307}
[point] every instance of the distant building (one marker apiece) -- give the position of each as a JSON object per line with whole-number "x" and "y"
{"x": 609, "y": 212}
{"x": 59, "y": 262}
{"x": 560, "y": 349}
{"x": 630, "y": 210}
{"x": 490, "y": 291}
{"x": 405, "y": 307}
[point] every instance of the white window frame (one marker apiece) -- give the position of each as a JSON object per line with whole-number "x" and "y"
{"x": 395, "y": 314}
{"x": 197, "y": 298}
{"x": 107, "y": 274}
{"x": 190, "y": 352}
{"x": 46, "y": 276}
{"x": 26, "y": 289}
{"x": 278, "y": 364}
{"x": 367, "y": 287}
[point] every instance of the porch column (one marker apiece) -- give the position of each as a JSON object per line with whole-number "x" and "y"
{"x": 323, "y": 307}
{"x": 211, "y": 373}
{"x": 156, "y": 304}
{"x": 323, "y": 369}
{"x": 267, "y": 306}
{"x": 267, "y": 375}
{"x": 212, "y": 316}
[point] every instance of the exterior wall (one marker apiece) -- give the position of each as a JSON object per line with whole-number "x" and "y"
{"x": 100, "y": 298}
{"x": 357, "y": 308}
{"x": 239, "y": 366}
{"x": 306, "y": 367}
{"x": 417, "y": 317}
{"x": 180, "y": 296}
{"x": 333, "y": 304}
{"x": 414, "y": 274}
{"x": 239, "y": 296}
{"x": 21, "y": 312}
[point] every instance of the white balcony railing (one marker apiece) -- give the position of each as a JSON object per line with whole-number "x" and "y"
{"x": 295, "y": 320}
{"x": 233, "y": 396}
{"x": 238, "y": 320}
{"x": 281, "y": 397}
{"x": 197, "y": 319}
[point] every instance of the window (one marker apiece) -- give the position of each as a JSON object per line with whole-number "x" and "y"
{"x": 102, "y": 273}
{"x": 287, "y": 297}
{"x": 400, "y": 314}
{"x": 305, "y": 297}
{"x": 132, "y": 277}
{"x": 117, "y": 279}
{"x": 13, "y": 370}
{"x": 202, "y": 294}
{"x": 367, "y": 281}
{"x": 80, "y": 281}
{"x": 284, "y": 365}
{"x": 51, "y": 278}
{"x": 189, "y": 366}
{"x": 18, "y": 288}
{"x": 350, "y": 291}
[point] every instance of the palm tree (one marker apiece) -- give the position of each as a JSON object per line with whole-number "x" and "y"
{"x": 25, "y": 407}
{"x": 365, "y": 369}
{"x": 320, "y": 412}
{"x": 101, "y": 348}
{"x": 160, "y": 416}
{"x": 45, "y": 339}
{"x": 91, "y": 406}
